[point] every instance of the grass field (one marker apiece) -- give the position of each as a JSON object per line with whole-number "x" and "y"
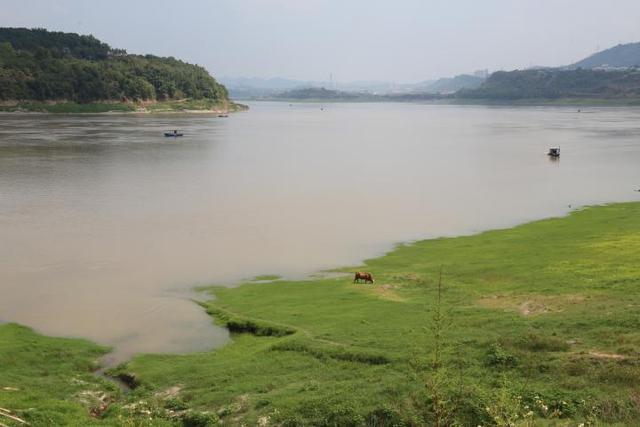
{"x": 49, "y": 379}
{"x": 534, "y": 325}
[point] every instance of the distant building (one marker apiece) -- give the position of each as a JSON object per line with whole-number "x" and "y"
{"x": 481, "y": 73}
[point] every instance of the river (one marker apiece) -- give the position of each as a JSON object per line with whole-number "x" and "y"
{"x": 106, "y": 225}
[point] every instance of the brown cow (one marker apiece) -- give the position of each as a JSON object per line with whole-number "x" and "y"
{"x": 363, "y": 275}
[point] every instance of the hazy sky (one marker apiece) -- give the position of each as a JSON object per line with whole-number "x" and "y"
{"x": 401, "y": 40}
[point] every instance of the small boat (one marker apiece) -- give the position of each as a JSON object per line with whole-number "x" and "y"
{"x": 223, "y": 115}
{"x": 175, "y": 134}
{"x": 554, "y": 152}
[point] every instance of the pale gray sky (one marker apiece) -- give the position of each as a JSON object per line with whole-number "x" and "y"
{"x": 401, "y": 40}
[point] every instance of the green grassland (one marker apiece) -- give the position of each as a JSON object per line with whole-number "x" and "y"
{"x": 534, "y": 325}
{"x": 49, "y": 380}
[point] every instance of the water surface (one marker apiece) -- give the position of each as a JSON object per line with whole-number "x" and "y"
{"x": 105, "y": 225}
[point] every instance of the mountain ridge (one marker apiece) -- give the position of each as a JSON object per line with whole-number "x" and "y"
{"x": 619, "y": 56}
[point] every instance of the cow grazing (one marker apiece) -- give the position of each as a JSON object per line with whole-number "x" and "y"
{"x": 363, "y": 276}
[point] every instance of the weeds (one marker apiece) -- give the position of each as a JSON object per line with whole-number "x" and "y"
{"x": 436, "y": 405}
{"x": 320, "y": 351}
{"x": 237, "y": 324}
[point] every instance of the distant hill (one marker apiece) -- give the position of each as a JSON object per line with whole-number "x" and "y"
{"x": 556, "y": 83}
{"x": 454, "y": 84}
{"x": 275, "y": 83}
{"x": 612, "y": 75}
{"x": 256, "y": 88}
{"x": 252, "y": 87}
{"x": 622, "y": 55}
{"x": 40, "y": 65}
{"x": 315, "y": 93}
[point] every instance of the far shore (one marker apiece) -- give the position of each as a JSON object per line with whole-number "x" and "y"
{"x": 109, "y": 107}
{"x": 209, "y": 107}
{"x": 524, "y": 102}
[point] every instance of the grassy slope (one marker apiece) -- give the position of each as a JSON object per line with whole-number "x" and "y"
{"x": 576, "y": 276}
{"x": 547, "y": 309}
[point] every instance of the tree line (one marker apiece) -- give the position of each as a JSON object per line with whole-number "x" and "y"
{"x": 557, "y": 83}
{"x": 42, "y": 65}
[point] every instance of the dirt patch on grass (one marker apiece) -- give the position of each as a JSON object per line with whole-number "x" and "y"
{"x": 530, "y": 304}
{"x": 169, "y": 393}
{"x": 385, "y": 291}
{"x": 607, "y": 356}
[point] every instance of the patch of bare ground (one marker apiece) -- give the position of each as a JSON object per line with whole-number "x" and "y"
{"x": 531, "y": 304}
{"x": 384, "y": 291}
{"x": 607, "y": 356}
{"x": 169, "y": 393}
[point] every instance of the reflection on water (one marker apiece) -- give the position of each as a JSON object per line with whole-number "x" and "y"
{"x": 105, "y": 224}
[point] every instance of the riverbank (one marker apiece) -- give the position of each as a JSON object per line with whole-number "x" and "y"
{"x": 559, "y": 102}
{"x": 451, "y": 100}
{"x": 536, "y": 323}
{"x": 177, "y": 106}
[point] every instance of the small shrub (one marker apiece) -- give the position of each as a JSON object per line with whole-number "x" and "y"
{"x": 384, "y": 417}
{"x": 577, "y": 367}
{"x": 497, "y": 356}
{"x": 310, "y": 386}
{"x": 175, "y": 404}
{"x": 611, "y": 410}
{"x": 199, "y": 419}
{"x": 505, "y": 408}
{"x": 229, "y": 409}
{"x": 616, "y": 373}
{"x": 535, "y": 342}
{"x": 261, "y": 403}
{"x": 321, "y": 413}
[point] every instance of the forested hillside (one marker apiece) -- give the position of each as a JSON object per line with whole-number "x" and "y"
{"x": 554, "y": 83}
{"x": 40, "y": 65}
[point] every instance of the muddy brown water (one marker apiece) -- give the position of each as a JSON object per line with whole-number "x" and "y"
{"x": 106, "y": 226}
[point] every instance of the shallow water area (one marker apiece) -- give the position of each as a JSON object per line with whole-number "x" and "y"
{"x": 106, "y": 225}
